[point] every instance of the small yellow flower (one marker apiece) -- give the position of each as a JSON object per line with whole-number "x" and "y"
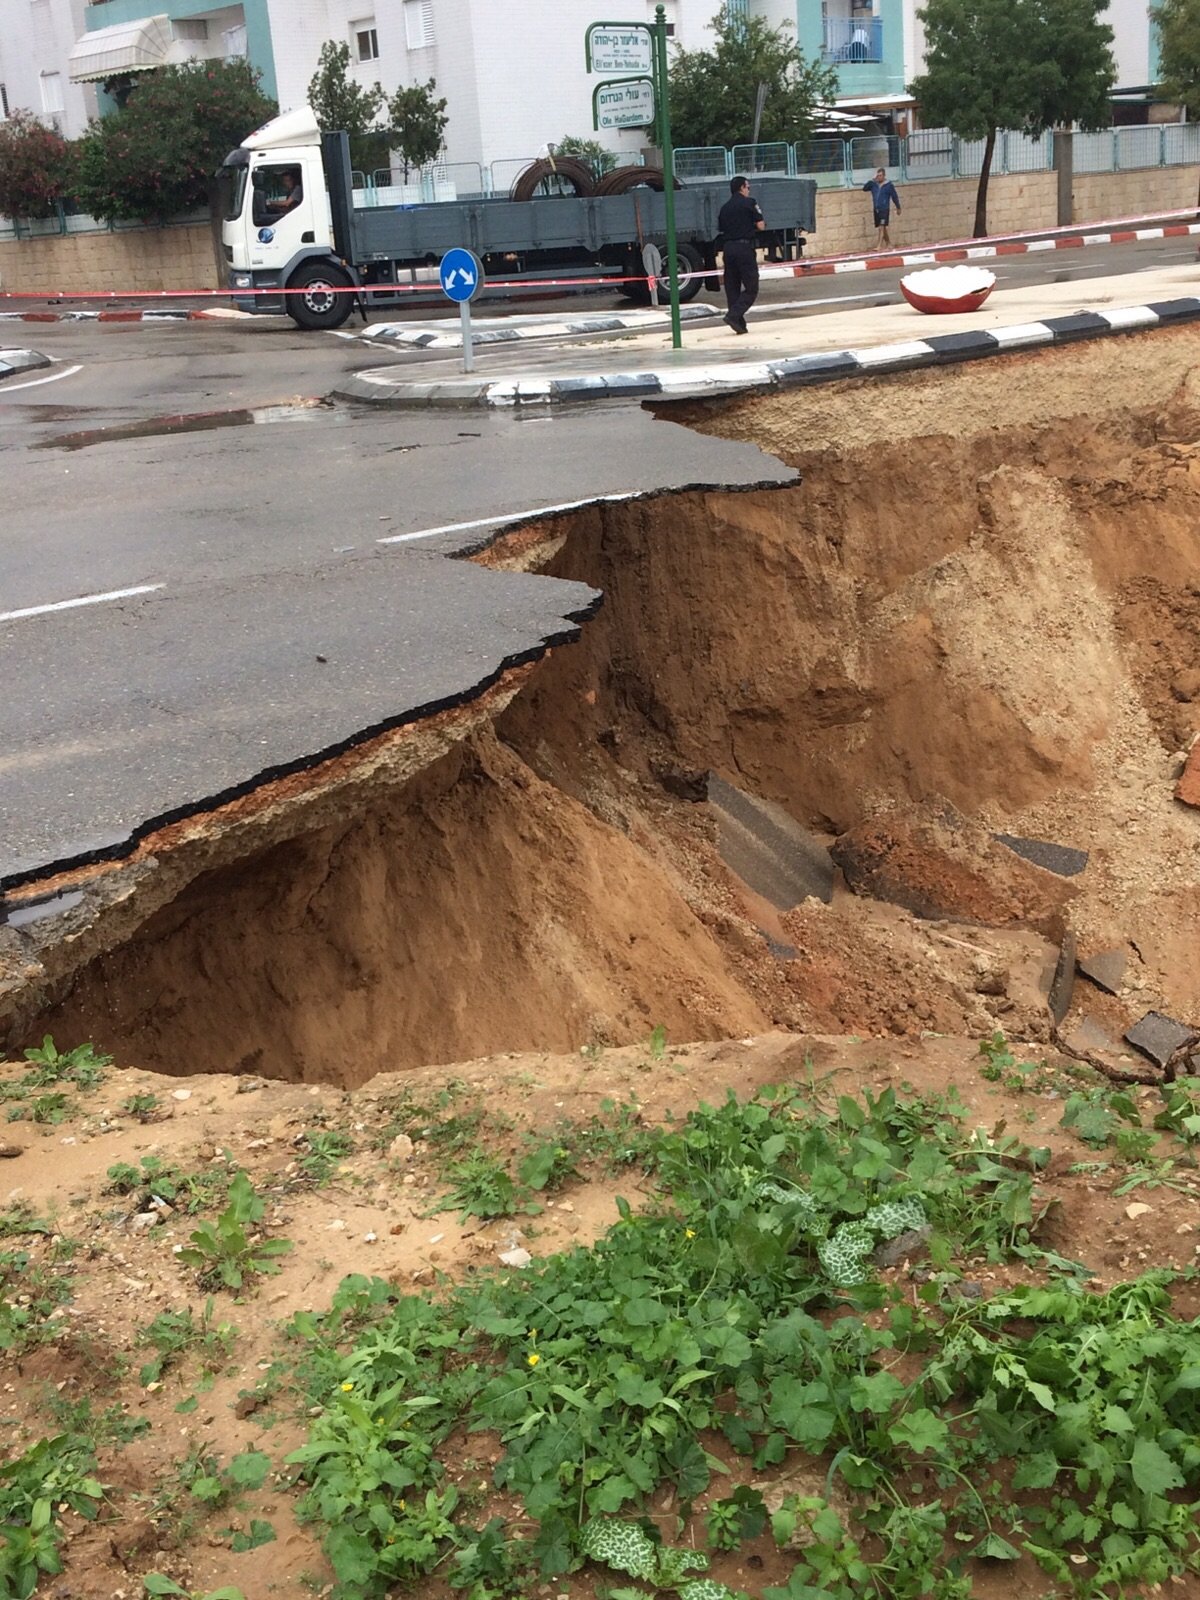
{"x": 533, "y": 1359}
{"x": 401, "y": 1504}
{"x": 689, "y": 1233}
{"x": 346, "y": 1388}
{"x": 533, "y": 1334}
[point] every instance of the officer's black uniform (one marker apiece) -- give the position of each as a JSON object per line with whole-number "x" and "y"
{"x": 738, "y": 223}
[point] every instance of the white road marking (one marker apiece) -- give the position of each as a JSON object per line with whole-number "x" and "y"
{"x": 32, "y": 383}
{"x": 501, "y": 521}
{"x": 83, "y": 600}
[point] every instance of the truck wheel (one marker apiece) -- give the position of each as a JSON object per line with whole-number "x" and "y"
{"x": 691, "y": 263}
{"x": 320, "y": 306}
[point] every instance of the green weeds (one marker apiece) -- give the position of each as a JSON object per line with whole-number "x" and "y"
{"x": 155, "y": 1179}
{"x": 738, "y": 1306}
{"x": 175, "y": 1334}
{"x": 50, "y": 1478}
{"x": 230, "y": 1251}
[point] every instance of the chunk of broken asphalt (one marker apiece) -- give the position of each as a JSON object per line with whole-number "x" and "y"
{"x": 1060, "y": 859}
{"x": 1106, "y": 969}
{"x": 1159, "y": 1037}
{"x": 1091, "y": 1037}
{"x": 767, "y": 848}
{"x": 1062, "y": 985}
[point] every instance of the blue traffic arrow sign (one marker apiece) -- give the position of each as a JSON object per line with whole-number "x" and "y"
{"x": 461, "y": 275}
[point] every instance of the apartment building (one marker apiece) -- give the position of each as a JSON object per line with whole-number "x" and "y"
{"x": 512, "y": 71}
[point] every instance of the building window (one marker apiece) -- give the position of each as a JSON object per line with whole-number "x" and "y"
{"x": 3, "y": 103}
{"x": 418, "y": 24}
{"x": 52, "y": 92}
{"x": 366, "y": 41}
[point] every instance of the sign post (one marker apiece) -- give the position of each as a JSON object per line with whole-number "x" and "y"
{"x": 639, "y": 100}
{"x": 461, "y": 277}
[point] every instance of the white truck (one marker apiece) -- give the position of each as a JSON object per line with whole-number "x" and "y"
{"x": 291, "y": 223}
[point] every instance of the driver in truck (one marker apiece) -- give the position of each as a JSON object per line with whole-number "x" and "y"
{"x": 293, "y": 193}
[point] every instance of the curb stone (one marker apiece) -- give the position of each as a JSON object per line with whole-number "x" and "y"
{"x": 377, "y": 388}
{"x": 14, "y": 361}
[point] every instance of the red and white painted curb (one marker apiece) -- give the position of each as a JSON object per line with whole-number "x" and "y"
{"x": 971, "y": 250}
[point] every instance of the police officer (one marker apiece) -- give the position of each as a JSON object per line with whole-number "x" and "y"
{"x": 740, "y": 222}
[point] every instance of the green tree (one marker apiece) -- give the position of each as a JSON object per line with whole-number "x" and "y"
{"x": 158, "y": 155}
{"x": 1178, "y": 24}
{"x": 713, "y": 92}
{"x": 35, "y": 166}
{"x": 416, "y": 121}
{"x": 341, "y": 104}
{"x": 1020, "y": 64}
{"x": 590, "y": 150}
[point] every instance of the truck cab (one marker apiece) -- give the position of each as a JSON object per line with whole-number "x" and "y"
{"x": 277, "y": 230}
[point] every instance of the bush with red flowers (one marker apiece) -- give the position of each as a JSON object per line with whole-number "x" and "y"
{"x": 35, "y": 166}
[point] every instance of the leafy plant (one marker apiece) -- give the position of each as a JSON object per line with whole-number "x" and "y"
{"x": 144, "y": 1107}
{"x": 157, "y": 1583}
{"x": 154, "y": 1178}
{"x": 52, "y": 1476}
{"x": 742, "y": 1515}
{"x": 324, "y": 1148}
{"x": 173, "y": 1334}
{"x": 229, "y": 1251}
{"x": 548, "y": 1166}
{"x": 35, "y": 166}
{"x": 83, "y": 1066}
{"x": 1094, "y": 1115}
{"x": 482, "y": 1186}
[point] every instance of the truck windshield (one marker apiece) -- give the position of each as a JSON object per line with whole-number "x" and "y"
{"x": 233, "y": 181}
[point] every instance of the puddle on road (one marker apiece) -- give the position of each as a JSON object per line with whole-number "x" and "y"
{"x": 304, "y": 410}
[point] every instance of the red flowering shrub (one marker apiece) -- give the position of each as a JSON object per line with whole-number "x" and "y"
{"x": 158, "y": 155}
{"x": 35, "y": 167}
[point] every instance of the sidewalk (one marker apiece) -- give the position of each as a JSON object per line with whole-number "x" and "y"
{"x": 788, "y": 349}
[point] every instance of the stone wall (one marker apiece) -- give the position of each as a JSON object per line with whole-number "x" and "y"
{"x": 1017, "y": 203}
{"x": 179, "y": 257}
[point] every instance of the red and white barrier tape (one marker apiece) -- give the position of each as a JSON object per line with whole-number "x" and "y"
{"x": 1118, "y": 230}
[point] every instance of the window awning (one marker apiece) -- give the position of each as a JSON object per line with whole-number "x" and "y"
{"x": 125, "y": 47}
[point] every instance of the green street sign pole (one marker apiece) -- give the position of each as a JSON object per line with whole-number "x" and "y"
{"x": 668, "y": 161}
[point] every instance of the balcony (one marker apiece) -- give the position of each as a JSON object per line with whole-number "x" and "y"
{"x": 848, "y": 41}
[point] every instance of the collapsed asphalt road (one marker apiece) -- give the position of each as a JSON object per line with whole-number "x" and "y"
{"x": 269, "y": 619}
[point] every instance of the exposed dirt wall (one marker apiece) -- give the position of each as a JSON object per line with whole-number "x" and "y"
{"x": 477, "y": 905}
{"x": 984, "y": 590}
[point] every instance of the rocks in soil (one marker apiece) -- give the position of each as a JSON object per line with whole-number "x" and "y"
{"x": 515, "y": 1258}
{"x": 1160, "y": 1037}
{"x": 1090, "y": 1037}
{"x": 1187, "y": 789}
{"x": 1061, "y": 859}
{"x": 1106, "y": 969}
{"x": 9, "y": 1152}
{"x": 1185, "y": 685}
{"x": 937, "y": 863}
{"x": 401, "y": 1148}
{"x": 911, "y": 1245}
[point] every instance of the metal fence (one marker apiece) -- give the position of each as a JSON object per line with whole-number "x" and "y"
{"x": 834, "y": 163}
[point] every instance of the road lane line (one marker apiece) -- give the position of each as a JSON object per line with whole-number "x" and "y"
{"x": 32, "y": 383}
{"x": 502, "y": 521}
{"x": 83, "y": 600}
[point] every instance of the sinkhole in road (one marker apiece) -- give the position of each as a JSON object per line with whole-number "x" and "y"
{"x": 976, "y": 612}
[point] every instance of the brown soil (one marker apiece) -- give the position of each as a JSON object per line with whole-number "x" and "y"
{"x": 372, "y": 1217}
{"x": 982, "y": 595}
{"x": 988, "y": 634}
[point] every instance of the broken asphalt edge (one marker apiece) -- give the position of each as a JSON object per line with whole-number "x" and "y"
{"x": 14, "y": 361}
{"x": 20, "y": 888}
{"x": 376, "y": 386}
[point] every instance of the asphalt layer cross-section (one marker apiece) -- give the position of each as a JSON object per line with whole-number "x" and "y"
{"x": 258, "y": 544}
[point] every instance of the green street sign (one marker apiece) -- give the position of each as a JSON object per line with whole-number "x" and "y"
{"x": 623, "y": 103}
{"x": 619, "y": 47}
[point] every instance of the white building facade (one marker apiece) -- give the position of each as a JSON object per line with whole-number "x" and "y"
{"x": 512, "y": 71}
